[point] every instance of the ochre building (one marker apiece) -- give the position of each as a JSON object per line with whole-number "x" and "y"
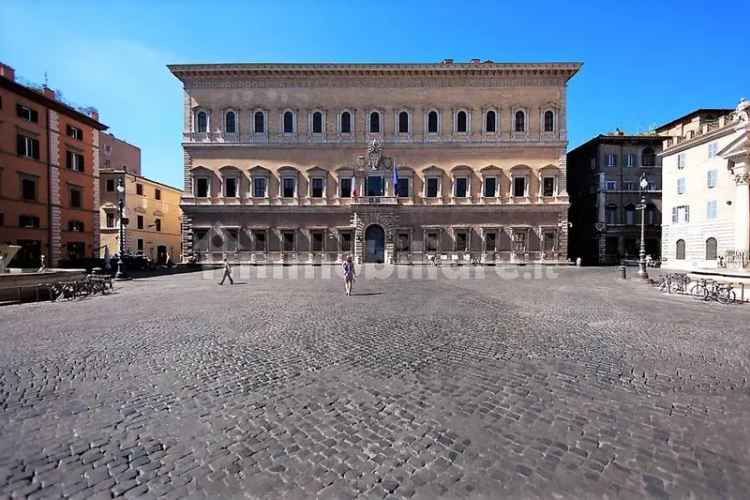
{"x": 401, "y": 163}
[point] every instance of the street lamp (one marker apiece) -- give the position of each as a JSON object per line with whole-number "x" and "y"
{"x": 642, "y": 273}
{"x": 120, "y": 275}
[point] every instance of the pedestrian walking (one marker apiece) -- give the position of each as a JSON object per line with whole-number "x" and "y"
{"x": 227, "y": 272}
{"x": 349, "y": 274}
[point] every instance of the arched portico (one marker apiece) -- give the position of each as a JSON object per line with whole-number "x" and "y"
{"x": 374, "y": 250}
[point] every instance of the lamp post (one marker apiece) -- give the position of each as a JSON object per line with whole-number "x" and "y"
{"x": 642, "y": 273}
{"x": 120, "y": 275}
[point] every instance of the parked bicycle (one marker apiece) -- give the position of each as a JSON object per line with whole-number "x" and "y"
{"x": 707, "y": 289}
{"x": 674, "y": 283}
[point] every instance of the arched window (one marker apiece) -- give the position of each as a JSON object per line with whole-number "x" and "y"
{"x": 201, "y": 121}
{"x": 375, "y": 122}
{"x": 648, "y": 158}
{"x": 651, "y": 214}
{"x": 611, "y": 214}
{"x": 432, "y": 122}
{"x": 403, "y": 122}
{"x": 346, "y": 122}
{"x": 680, "y": 250}
{"x": 317, "y": 123}
{"x": 230, "y": 123}
{"x": 711, "y": 249}
{"x": 490, "y": 122}
{"x": 288, "y": 122}
{"x": 549, "y": 121}
{"x": 260, "y": 122}
{"x": 461, "y": 122}
{"x": 520, "y": 121}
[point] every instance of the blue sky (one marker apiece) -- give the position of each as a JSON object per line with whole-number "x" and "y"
{"x": 644, "y": 62}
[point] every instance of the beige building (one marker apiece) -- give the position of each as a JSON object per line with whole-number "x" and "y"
{"x": 390, "y": 162}
{"x": 153, "y": 213}
{"x": 116, "y": 154}
{"x": 706, "y": 194}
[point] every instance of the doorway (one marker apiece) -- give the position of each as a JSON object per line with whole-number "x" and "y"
{"x": 375, "y": 244}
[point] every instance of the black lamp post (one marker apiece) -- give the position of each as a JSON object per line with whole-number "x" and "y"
{"x": 121, "y": 275}
{"x": 642, "y": 273}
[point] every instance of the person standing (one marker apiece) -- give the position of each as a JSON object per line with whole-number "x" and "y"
{"x": 227, "y": 272}
{"x": 349, "y": 274}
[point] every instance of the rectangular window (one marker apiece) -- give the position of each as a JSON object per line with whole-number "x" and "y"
{"x": 431, "y": 243}
{"x": 403, "y": 242}
{"x": 76, "y": 250}
{"x": 461, "y": 238}
{"x": 28, "y": 189}
{"x": 140, "y": 244}
{"x": 110, "y": 185}
{"x": 549, "y": 241}
{"x": 490, "y": 187}
{"x": 75, "y": 198}
{"x": 680, "y": 214}
{"x": 630, "y": 160}
{"x": 110, "y": 219}
{"x": 316, "y": 187}
{"x": 611, "y": 160}
{"x": 611, "y": 213}
{"x": 402, "y": 188}
{"x": 139, "y": 189}
{"x": 28, "y": 222}
{"x": 260, "y": 241}
{"x": 548, "y": 187}
{"x": 490, "y": 242}
{"x": 201, "y": 187}
{"x": 27, "y": 146}
{"x": 157, "y": 225}
{"x": 139, "y": 221}
{"x": 157, "y": 194}
{"x": 461, "y": 187}
{"x": 681, "y": 160}
{"x": 711, "y": 177}
{"x": 74, "y": 132}
{"x": 317, "y": 241}
{"x": 346, "y": 241}
{"x": 713, "y": 148}
{"x": 628, "y": 186}
{"x": 432, "y": 187}
{"x": 681, "y": 185}
{"x": 611, "y": 185}
{"x": 74, "y": 161}
{"x": 374, "y": 185}
{"x": 26, "y": 113}
{"x": 259, "y": 187}
{"x": 200, "y": 240}
{"x": 711, "y": 209}
{"x": 288, "y": 240}
{"x": 230, "y": 187}
{"x": 288, "y": 187}
{"x": 519, "y": 186}
{"x": 345, "y": 187}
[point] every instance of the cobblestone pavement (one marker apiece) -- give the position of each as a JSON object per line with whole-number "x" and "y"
{"x": 576, "y": 385}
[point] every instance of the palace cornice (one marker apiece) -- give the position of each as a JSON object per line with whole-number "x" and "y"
{"x": 728, "y": 129}
{"x": 188, "y": 207}
{"x": 286, "y": 70}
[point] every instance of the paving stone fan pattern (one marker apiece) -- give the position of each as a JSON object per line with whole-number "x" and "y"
{"x": 573, "y": 386}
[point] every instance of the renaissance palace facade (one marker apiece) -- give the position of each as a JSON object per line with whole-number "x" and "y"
{"x": 398, "y": 163}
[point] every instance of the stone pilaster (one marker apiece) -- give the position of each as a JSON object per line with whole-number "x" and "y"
{"x": 742, "y": 207}
{"x": 55, "y": 222}
{"x": 96, "y": 217}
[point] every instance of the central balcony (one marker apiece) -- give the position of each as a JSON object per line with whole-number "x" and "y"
{"x": 376, "y": 200}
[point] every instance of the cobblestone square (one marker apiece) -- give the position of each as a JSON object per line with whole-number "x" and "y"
{"x": 426, "y": 383}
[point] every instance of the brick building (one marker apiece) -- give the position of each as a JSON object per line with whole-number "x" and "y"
{"x": 389, "y": 162}
{"x": 49, "y": 174}
{"x": 603, "y": 182}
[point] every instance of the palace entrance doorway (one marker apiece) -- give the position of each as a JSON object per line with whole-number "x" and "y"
{"x": 375, "y": 244}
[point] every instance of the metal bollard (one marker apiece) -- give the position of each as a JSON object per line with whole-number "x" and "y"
{"x": 623, "y": 272}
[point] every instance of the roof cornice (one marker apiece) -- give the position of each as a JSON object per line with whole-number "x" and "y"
{"x": 561, "y": 69}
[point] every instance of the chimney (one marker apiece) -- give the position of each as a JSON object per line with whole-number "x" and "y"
{"x": 94, "y": 114}
{"x": 475, "y": 61}
{"x": 7, "y": 72}
{"x": 49, "y": 93}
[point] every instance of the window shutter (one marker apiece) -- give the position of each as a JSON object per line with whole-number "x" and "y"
{"x": 34, "y": 116}
{"x": 80, "y": 165}
{"x": 35, "y": 149}
{"x": 68, "y": 159}
{"x": 687, "y": 214}
{"x": 674, "y": 215}
{"x": 20, "y": 145}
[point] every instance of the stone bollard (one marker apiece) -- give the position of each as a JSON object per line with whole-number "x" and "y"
{"x": 578, "y": 262}
{"x": 623, "y": 272}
